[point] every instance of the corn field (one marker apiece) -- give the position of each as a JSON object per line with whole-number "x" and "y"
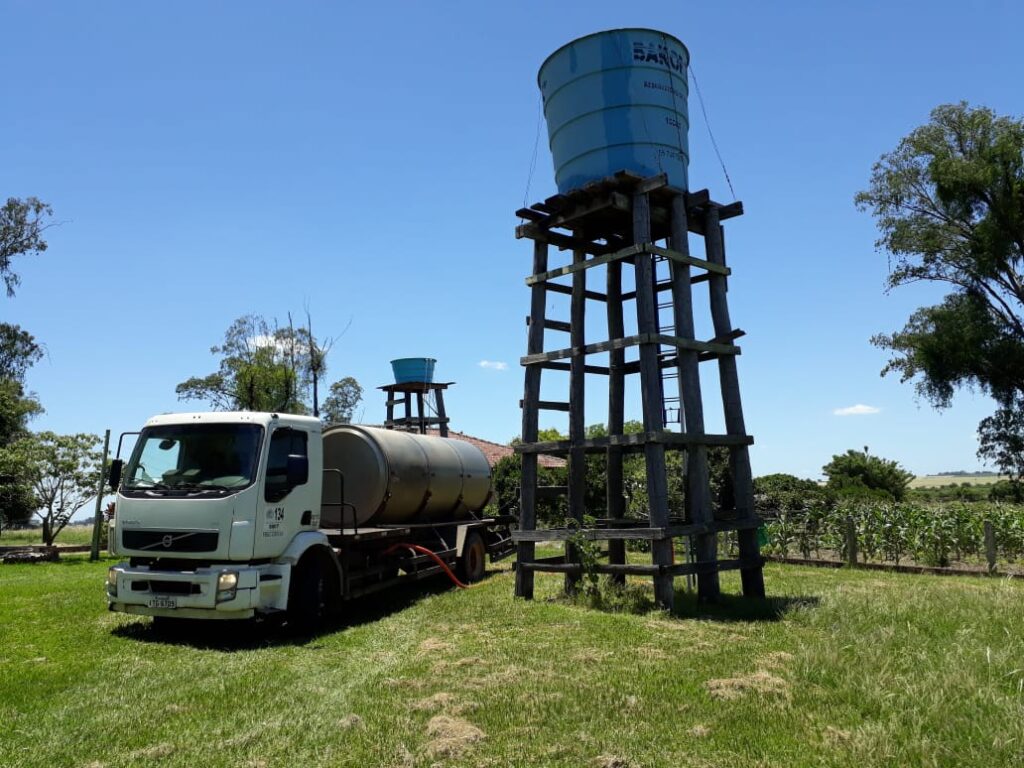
{"x": 925, "y": 534}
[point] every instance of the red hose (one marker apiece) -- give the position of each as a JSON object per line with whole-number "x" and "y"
{"x": 432, "y": 555}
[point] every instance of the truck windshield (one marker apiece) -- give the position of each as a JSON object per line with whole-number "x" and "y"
{"x": 196, "y": 457}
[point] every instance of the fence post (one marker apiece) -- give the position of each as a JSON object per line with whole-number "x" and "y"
{"x": 851, "y": 541}
{"x": 990, "y": 546}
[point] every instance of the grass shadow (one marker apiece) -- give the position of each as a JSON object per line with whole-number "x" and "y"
{"x": 229, "y": 636}
{"x": 638, "y": 600}
{"x": 740, "y": 609}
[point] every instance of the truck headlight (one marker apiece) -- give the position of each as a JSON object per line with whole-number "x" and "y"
{"x": 112, "y": 582}
{"x": 227, "y": 584}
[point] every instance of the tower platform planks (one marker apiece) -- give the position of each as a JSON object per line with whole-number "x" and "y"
{"x": 629, "y": 221}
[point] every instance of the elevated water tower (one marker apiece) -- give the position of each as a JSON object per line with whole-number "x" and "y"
{"x": 418, "y": 398}
{"x": 616, "y": 110}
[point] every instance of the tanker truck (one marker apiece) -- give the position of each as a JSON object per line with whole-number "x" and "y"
{"x": 242, "y": 515}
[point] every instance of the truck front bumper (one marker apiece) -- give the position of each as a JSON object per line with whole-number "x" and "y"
{"x": 200, "y": 593}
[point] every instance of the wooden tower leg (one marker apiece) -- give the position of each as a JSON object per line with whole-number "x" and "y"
{"x": 525, "y": 550}
{"x": 421, "y": 427}
{"x": 698, "y": 500}
{"x": 616, "y": 418}
{"x": 752, "y": 574}
{"x": 577, "y": 388}
{"x": 653, "y": 403}
{"x": 441, "y": 415}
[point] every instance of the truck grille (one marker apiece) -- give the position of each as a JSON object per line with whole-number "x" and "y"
{"x": 166, "y": 587}
{"x": 170, "y": 541}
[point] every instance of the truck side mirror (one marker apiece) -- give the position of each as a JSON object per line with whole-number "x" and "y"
{"x": 298, "y": 470}
{"x": 114, "y": 474}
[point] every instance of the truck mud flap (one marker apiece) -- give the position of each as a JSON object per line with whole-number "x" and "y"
{"x": 499, "y": 543}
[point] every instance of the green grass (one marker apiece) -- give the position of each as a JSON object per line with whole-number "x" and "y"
{"x": 935, "y": 481}
{"x": 838, "y": 669}
{"x": 72, "y": 534}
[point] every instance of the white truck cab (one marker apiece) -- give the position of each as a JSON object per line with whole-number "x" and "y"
{"x": 212, "y": 510}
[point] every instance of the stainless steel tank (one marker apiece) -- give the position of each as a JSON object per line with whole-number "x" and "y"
{"x": 394, "y": 477}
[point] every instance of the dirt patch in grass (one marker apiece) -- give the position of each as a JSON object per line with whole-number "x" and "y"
{"x": 404, "y": 758}
{"x": 671, "y": 626}
{"x": 405, "y": 682}
{"x": 611, "y": 761}
{"x": 836, "y": 737}
{"x": 590, "y": 655}
{"x": 439, "y": 667}
{"x": 444, "y": 702}
{"x": 509, "y": 675}
{"x": 349, "y": 722}
{"x": 775, "y": 660}
{"x": 439, "y": 700}
{"x": 451, "y": 736}
{"x": 434, "y": 645}
{"x": 760, "y": 682}
{"x": 651, "y": 652}
{"x": 153, "y": 752}
{"x": 699, "y": 731}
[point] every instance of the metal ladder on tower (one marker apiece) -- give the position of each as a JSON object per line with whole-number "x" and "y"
{"x": 672, "y": 410}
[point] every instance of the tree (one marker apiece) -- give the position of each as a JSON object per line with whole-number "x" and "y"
{"x": 506, "y": 478}
{"x": 788, "y": 493}
{"x": 315, "y": 361}
{"x": 263, "y": 367}
{"x": 858, "y": 473}
{"x": 341, "y": 403}
{"x": 259, "y": 370}
{"x": 18, "y": 352}
{"x": 63, "y": 471}
{"x": 21, "y": 228}
{"x": 16, "y": 408}
{"x": 949, "y": 204}
{"x": 1002, "y": 442}
{"x": 17, "y": 501}
{"x": 21, "y": 232}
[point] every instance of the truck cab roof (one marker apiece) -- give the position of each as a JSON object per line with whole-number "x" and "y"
{"x": 309, "y": 423}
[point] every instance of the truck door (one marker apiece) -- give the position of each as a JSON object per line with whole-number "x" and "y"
{"x": 285, "y": 503}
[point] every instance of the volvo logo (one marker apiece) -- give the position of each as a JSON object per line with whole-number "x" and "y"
{"x": 168, "y": 540}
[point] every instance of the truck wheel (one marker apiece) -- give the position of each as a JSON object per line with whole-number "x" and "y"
{"x": 472, "y": 563}
{"x": 311, "y": 594}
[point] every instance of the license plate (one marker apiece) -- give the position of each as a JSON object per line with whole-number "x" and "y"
{"x": 163, "y": 602}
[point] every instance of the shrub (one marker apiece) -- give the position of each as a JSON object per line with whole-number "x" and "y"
{"x": 851, "y": 472}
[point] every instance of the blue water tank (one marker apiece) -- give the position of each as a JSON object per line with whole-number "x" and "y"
{"x": 615, "y": 101}
{"x": 413, "y": 369}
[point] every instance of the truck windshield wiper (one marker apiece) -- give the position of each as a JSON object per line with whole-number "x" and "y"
{"x": 149, "y": 486}
{"x": 199, "y": 487}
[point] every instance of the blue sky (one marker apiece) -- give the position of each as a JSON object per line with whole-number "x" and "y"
{"x": 210, "y": 160}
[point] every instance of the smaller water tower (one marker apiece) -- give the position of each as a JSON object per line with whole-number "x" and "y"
{"x": 415, "y": 386}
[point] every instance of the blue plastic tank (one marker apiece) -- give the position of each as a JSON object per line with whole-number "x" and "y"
{"x": 413, "y": 369}
{"x": 615, "y": 101}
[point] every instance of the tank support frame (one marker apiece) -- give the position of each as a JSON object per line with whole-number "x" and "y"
{"x": 610, "y": 223}
{"x": 426, "y": 396}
